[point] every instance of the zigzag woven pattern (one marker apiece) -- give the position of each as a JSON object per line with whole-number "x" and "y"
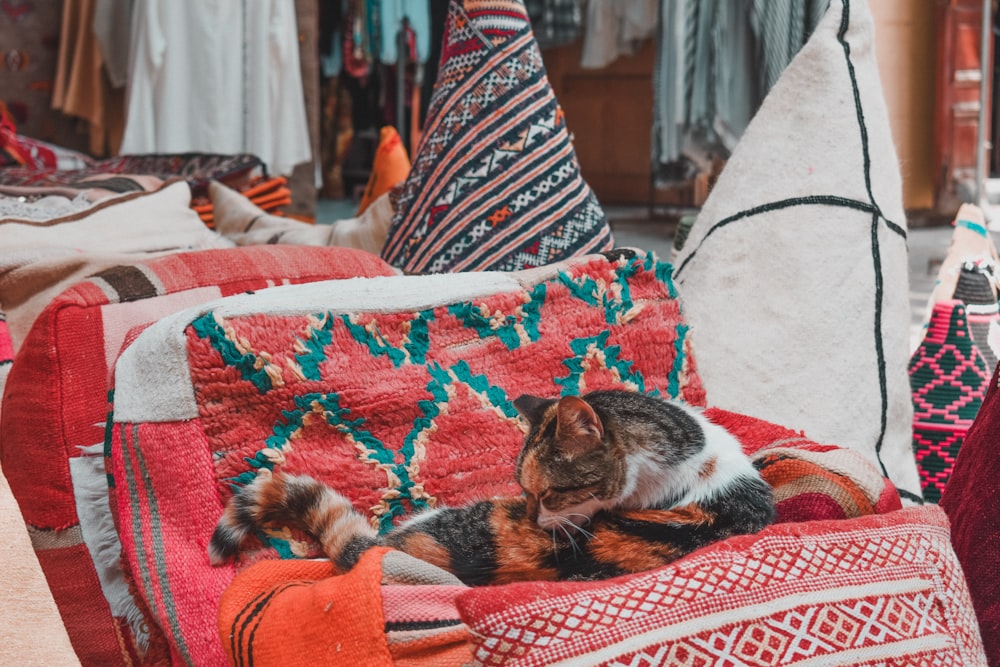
{"x": 949, "y": 379}
{"x": 495, "y": 183}
{"x": 402, "y": 410}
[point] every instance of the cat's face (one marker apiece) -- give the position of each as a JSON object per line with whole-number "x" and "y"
{"x": 569, "y": 467}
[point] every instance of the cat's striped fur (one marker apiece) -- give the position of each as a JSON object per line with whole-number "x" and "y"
{"x": 614, "y": 482}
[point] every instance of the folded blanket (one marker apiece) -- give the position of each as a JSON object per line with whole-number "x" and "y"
{"x": 245, "y": 222}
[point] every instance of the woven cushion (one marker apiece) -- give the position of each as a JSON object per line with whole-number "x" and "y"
{"x": 392, "y": 610}
{"x": 968, "y": 273}
{"x": 795, "y": 271}
{"x": 495, "y": 183}
{"x": 811, "y": 480}
{"x": 884, "y": 589}
{"x": 395, "y": 390}
{"x": 242, "y": 222}
{"x": 56, "y": 404}
{"x": 949, "y": 379}
{"x": 976, "y": 288}
{"x": 39, "y": 259}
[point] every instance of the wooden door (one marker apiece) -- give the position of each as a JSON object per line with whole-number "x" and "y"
{"x": 956, "y": 114}
{"x": 609, "y": 112}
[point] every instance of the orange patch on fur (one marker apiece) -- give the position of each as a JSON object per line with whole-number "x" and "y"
{"x": 530, "y": 474}
{"x": 270, "y": 498}
{"x": 426, "y": 548}
{"x": 687, "y": 515}
{"x": 708, "y": 469}
{"x": 630, "y": 552}
{"x": 522, "y": 546}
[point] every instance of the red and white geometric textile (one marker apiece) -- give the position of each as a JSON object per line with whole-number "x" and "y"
{"x": 876, "y": 590}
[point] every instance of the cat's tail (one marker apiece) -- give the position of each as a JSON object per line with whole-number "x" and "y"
{"x": 293, "y": 500}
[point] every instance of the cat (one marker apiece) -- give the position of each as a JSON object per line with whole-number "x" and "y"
{"x": 614, "y": 482}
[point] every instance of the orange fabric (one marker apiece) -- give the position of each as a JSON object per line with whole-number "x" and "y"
{"x": 390, "y": 168}
{"x": 271, "y": 198}
{"x": 296, "y": 612}
{"x": 445, "y": 649}
{"x": 299, "y": 612}
{"x": 81, "y": 88}
{"x": 264, "y": 186}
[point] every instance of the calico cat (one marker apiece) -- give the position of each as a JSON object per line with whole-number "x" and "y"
{"x": 614, "y": 482}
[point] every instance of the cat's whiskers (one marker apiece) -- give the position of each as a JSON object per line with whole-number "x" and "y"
{"x": 586, "y": 533}
{"x": 562, "y": 524}
{"x": 572, "y": 541}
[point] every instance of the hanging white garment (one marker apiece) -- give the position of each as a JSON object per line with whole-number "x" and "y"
{"x": 219, "y": 76}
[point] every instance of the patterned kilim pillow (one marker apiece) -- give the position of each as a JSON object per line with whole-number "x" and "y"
{"x": 949, "y": 380}
{"x": 52, "y": 427}
{"x": 390, "y": 167}
{"x": 811, "y": 480}
{"x": 495, "y": 183}
{"x": 397, "y": 391}
{"x": 795, "y": 272}
{"x": 392, "y": 609}
{"x": 876, "y": 590}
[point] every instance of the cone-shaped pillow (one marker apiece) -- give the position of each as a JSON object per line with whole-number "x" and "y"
{"x": 949, "y": 379}
{"x": 969, "y": 274}
{"x": 390, "y": 167}
{"x": 794, "y": 275}
{"x": 976, "y": 288}
{"x": 495, "y": 182}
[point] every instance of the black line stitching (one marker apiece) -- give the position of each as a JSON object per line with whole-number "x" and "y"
{"x": 871, "y": 206}
{"x": 821, "y": 200}
{"x": 879, "y": 344}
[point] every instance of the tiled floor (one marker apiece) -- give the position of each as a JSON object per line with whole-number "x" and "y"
{"x": 632, "y": 227}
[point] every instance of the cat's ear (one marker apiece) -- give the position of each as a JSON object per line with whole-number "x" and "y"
{"x": 578, "y": 428}
{"x": 531, "y": 407}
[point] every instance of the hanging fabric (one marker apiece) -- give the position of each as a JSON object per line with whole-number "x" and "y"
{"x": 782, "y": 28}
{"x": 82, "y": 87}
{"x": 112, "y": 26}
{"x": 715, "y": 62}
{"x": 218, "y": 77}
{"x": 555, "y": 22}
